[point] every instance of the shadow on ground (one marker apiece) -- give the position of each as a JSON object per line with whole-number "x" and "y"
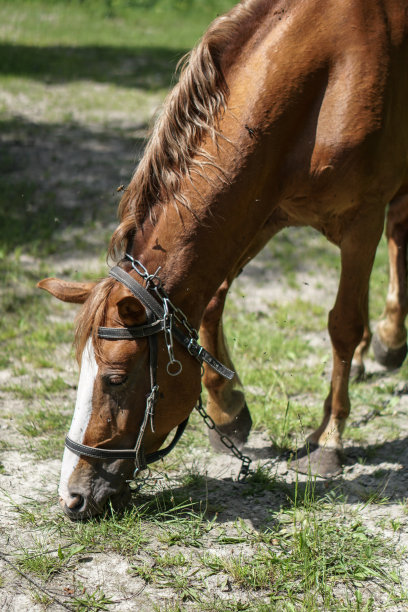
{"x": 57, "y": 177}
{"x": 150, "y": 68}
{"x": 258, "y": 500}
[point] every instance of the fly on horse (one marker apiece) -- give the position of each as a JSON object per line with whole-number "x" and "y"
{"x": 286, "y": 113}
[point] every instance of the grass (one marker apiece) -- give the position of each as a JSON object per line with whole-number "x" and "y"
{"x": 308, "y": 549}
{"x": 122, "y": 52}
{"x": 80, "y": 82}
{"x": 96, "y": 600}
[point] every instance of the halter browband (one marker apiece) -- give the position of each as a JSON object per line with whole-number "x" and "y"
{"x": 159, "y": 319}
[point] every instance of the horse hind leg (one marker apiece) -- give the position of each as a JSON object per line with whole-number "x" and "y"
{"x": 390, "y": 337}
{"x": 226, "y": 401}
{"x": 346, "y": 326}
{"x": 357, "y": 370}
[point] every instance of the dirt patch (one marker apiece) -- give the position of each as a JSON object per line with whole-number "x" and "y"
{"x": 82, "y": 180}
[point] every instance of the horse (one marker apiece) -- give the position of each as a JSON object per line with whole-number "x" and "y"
{"x": 390, "y": 337}
{"x": 389, "y": 341}
{"x": 286, "y": 113}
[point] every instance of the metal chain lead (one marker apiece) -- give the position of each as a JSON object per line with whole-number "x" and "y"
{"x": 226, "y": 441}
{"x": 168, "y": 335}
{"x": 154, "y": 281}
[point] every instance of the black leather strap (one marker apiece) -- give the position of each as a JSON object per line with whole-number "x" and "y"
{"x": 130, "y": 453}
{"x": 199, "y": 352}
{"x": 138, "y": 291}
{"x": 130, "y": 333}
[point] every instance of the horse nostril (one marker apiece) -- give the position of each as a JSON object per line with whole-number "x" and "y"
{"x": 76, "y": 502}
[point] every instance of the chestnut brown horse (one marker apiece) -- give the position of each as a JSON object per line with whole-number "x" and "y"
{"x": 286, "y": 113}
{"x": 390, "y": 338}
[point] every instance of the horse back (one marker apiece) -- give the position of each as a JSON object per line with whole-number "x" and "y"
{"x": 323, "y": 87}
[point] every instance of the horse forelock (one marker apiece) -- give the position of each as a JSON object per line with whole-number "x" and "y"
{"x": 190, "y": 112}
{"x": 91, "y": 316}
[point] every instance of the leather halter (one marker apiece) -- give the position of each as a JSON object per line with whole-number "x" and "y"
{"x": 159, "y": 319}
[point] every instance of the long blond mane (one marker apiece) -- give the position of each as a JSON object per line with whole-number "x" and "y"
{"x": 190, "y": 112}
{"x": 91, "y": 316}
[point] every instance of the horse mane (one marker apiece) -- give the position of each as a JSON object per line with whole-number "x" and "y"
{"x": 190, "y": 112}
{"x": 91, "y": 316}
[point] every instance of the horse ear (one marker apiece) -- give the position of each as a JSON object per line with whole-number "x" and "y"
{"x": 130, "y": 311}
{"x": 67, "y": 291}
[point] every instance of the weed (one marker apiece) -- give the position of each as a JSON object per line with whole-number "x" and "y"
{"x": 96, "y": 600}
{"x": 40, "y": 562}
{"x": 314, "y": 553}
{"x": 41, "y": 598}
{"x": 37, "y": 422}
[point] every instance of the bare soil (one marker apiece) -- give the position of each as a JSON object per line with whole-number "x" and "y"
{"x": 81, "y": 161}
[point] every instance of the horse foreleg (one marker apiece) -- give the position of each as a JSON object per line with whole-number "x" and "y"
{"x": 390, "y": 338}
{"x": 226, "y": 401}
{"x": 346, "y": 326}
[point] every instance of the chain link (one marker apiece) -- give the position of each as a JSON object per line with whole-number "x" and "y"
{"x": 168, "y": 335}
{"x": 226, "y": 441}
{"x": 177, "y": 312}
{"x": 155, "y": 283}
{"x": 152, "y": 279}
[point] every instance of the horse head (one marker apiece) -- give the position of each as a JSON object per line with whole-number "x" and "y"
{"x": 130, "y": 395}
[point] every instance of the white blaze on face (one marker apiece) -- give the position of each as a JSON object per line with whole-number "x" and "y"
{"x": 82, "y": 414}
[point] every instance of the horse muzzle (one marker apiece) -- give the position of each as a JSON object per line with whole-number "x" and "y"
{"x": 80, "y": 504}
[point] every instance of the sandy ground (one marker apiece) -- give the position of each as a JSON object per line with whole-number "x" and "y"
{"x": 25, "y": 477}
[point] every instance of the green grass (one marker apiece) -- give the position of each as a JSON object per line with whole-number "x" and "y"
{"x": 312, "y": 546}
{"x": 38, "y": 422}
{"x": 77, "y": 79}
{"x": 124, "y": 54}
{"x": 135, "y": 23}
{"x": 271, "y": 354}
{"x": 304, "y": 553}
{"x": 96, "y": 600}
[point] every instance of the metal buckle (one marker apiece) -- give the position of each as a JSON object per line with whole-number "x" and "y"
{"x": 194, "y": 348}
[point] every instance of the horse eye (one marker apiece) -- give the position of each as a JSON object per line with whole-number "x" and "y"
{"x": 116, "y": 380}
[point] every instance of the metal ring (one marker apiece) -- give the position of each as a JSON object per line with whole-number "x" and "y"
{"x": 179, "y": 367}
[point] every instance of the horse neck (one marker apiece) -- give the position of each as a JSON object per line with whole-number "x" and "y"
{"x": 198, "y": 248}
{"x": 194, "y": 248}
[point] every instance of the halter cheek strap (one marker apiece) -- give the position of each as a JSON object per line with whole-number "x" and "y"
{"x": 159, "y": 319}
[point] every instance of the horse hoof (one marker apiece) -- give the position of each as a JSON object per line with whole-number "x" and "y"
{"x": 237, "y": 431}
{"x": 318, "y": 461}
{"x": 357, "y": 372}
{"x": 388, "y": 357}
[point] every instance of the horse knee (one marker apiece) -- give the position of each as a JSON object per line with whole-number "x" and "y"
{"x": 225, "y": 404}
{"x": 345, "y": 335}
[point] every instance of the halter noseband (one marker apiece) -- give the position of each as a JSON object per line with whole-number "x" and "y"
{"x": 160, "y": 318}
